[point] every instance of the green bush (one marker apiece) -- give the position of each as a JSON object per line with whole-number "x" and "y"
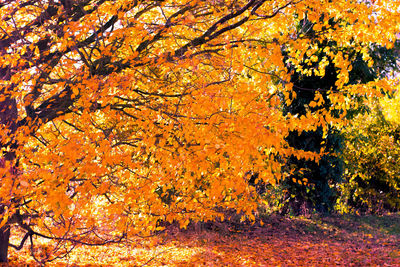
{"x": 371, "y": 156}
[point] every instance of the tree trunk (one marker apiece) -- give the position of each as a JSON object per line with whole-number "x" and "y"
{"x": 8, "y": 117}
{"x": 4, "y": 242}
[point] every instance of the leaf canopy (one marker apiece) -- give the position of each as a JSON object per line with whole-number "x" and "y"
{"x": 127, "y": 112}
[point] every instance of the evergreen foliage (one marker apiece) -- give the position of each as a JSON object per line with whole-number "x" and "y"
{"x": 313, "y": 185}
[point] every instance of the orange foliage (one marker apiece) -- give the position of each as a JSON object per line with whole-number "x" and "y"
{"x": 134, "y": 112}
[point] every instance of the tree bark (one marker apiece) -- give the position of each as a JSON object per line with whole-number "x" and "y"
{"x": 8, "y": 117}
{"x": 4, "y": 243}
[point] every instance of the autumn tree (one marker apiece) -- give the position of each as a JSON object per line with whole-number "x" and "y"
{"x": 116, "y": 115}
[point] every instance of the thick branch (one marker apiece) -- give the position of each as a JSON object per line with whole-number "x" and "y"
{"x": 211, "y": 32}
{"x": 21, "y": 245}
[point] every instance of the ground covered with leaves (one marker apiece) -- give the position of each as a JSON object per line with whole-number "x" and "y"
{"x": 314, "y": 241}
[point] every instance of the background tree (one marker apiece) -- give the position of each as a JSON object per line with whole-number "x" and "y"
{"x": 108, "y": 106}
{"x": 312, "y": 185}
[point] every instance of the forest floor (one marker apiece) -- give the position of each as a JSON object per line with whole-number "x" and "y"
{"x": 281, "y": 241}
